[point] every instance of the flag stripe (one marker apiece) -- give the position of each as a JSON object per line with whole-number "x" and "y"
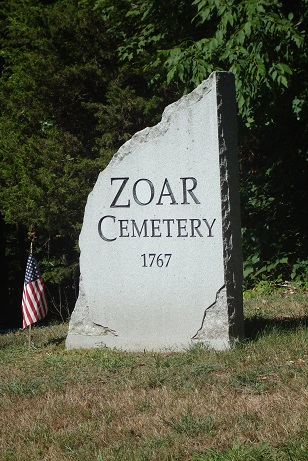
{"x": 32, "y": 308}
{"x": 31, "y": 302}
{"x": 29, "y": 308}
{"x": 33, "y": 297}
{"x": 34, "y": 302}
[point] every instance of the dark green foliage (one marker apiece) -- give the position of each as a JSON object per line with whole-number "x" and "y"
{"x": 80, "y": 77}
{"x": 46, "y": 133}
{"x": 66, "y": 106}
{"x": 54, "y": 68}
{"x": 178, "y": 43}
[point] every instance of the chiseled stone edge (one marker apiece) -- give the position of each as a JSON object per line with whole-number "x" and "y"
{"x": 214, "y": 331}
{"x": 230, "y": 202}
{"x": 217, "y": 324}
{"x": 84, "y": 333}
{"x": 162, "y": 127}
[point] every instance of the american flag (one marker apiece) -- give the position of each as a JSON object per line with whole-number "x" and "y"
{"x": 34, "y": 302}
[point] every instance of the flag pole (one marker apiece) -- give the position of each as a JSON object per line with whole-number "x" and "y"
{"x": 29, "y": 327}
{"x": 29, "y": 336}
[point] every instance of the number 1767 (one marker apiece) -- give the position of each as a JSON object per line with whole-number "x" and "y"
{"x": 159, "y": 260}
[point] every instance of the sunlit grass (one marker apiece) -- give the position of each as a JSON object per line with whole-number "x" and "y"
{"x": 248, "y": 403}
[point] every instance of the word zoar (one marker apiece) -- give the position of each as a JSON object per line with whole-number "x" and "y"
{"x": 189, "y": 184}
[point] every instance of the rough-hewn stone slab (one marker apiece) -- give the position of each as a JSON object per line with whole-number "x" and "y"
{"x": 160, "y": 244}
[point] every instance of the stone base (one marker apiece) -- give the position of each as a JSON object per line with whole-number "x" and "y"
{"x": 85, "y": 334}
{"x": 78, "y": 341}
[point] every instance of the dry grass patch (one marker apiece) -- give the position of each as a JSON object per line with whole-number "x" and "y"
{"x": 249, "y": 403}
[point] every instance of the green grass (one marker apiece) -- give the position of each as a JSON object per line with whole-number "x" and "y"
{"x": 245, "y": 404}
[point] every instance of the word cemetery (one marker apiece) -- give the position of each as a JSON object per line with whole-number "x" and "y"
{"x": 160, "y": 261}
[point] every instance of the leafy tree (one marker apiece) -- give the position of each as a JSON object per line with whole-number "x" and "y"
{"x": 179, "y": 43}
{"x": 64, "y": 98}
{"x": 183, "y": 41}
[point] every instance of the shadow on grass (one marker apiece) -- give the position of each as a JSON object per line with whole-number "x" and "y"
{"x": 256, "y": 325}
{"x": 57, "y": 341}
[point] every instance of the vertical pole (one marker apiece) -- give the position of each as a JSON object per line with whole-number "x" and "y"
{"x": 29, "y": 336}
{"x": 29, "y": 328}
